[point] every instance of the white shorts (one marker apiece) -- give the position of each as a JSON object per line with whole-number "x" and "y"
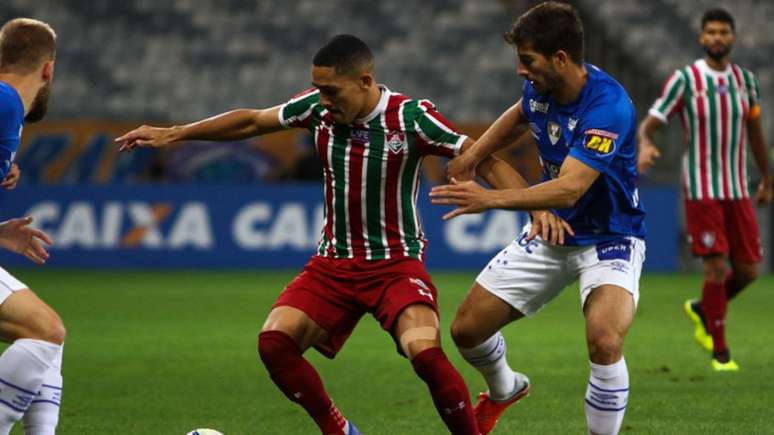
{"x": 528, "y": 275}
{"x": 8, "y": 285}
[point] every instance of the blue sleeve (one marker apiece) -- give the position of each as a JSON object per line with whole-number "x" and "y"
{"x": 7, "y": 153}
{"x": 602, "y": 132}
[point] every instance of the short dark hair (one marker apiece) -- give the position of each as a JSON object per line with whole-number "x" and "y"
{"x": 717, "y": 14}
{"x": 548, "y": 28}
{"x": 25, "y": 44}
{"x": 346, "y": 53}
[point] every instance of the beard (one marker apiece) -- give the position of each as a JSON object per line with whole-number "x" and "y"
{"x": 548, "y": 85}
{"x": 717, "y": 54}
{"x": 39, "y": 104}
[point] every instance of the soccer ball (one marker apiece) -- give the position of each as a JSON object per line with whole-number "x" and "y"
{"x": 204, "y": 432}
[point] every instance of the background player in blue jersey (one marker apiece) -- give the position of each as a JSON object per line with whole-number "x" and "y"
{"x": 584, "y": 124}
{"x": 30, "y": 368}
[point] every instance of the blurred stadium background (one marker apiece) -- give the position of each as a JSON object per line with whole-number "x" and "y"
{"x": 257, "y": 205}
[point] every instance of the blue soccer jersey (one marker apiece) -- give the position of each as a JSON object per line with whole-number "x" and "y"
{"x": 11, "y": 122}
{"x": 599, "y": 130}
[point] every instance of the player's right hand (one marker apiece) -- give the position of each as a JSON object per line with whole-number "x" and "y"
{"x": 648, "y": 153}
{"x": 550, "y": 227}
{"x": 16, "y": 235}
{"x": 145, "y": 136}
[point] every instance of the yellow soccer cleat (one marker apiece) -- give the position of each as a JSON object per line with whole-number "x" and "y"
{"x": 730, "y": 366}
{"x": 700, "y": 331}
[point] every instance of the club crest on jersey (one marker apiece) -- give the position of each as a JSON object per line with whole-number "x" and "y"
{"x": 600, "y": 141}
{"x": 708, "y": 239}
{"x": 554, "y": 132}
{"x": 396, "y": 141}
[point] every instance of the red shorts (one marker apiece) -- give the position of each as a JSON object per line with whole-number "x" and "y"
{"x": 725, "y": 227}
{"x": 335, "y": 293}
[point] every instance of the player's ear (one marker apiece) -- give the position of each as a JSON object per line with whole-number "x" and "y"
{"x": 561, "y": 58}
{"x": 366, "y": 80}
{"x": 47, "y": 72}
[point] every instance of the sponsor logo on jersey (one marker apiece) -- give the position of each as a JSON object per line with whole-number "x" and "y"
{"x": 537, "y": 106}
{"x": 722, "y": 89}
{"x": 535, "y": 130}
{"x": 615, "y": 250}
{"x": 396, "y": 141}
{"x": 600, "y": 141}
{"x": 708, "y": 239}
{"x": 554, "y": 132}
{"x": 571, "y": 123}
{"x": 359, "y": 135}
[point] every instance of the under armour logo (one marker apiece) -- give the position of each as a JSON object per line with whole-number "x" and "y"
{"x": 460, "y": 406}
{"x": 419, "y": 282}
{"x": 425, "y": 293}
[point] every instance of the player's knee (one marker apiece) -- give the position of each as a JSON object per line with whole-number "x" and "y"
{"x": 272, "y": 345}
{"x": 463, "y": 333}
{"x": 605, "y": 346}
{"x": 746, "y": 275}
{"x": 47, "y": 327}
{"x": 715, "y": 269}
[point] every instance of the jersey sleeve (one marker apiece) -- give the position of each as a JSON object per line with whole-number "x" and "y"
{"x": 670, "y": 101}
{"x": 753, "y": 94}
{"x": 298, "y": 111}
{"x": 438, "y": 135}
{"x": 602, "y": 131}
{"x": 11, "y": 118}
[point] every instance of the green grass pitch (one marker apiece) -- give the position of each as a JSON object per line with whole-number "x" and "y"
{"x": 166, "y": 352}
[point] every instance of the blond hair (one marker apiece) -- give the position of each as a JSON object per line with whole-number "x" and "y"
{"x": 25, "y": 44}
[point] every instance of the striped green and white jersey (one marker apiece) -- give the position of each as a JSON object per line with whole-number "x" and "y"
{"x": 371, "y": 170}
{"x": 714, "y": 107}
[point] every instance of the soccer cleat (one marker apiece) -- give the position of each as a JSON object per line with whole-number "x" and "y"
{"x": 730, "y": 366}
{"x": 488, "y": 411}
{"x": 700, "y": 333}
{"x": 352, "y": 429}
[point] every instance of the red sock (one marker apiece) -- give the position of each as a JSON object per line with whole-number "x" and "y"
{"x": 298, "y": 380}
{"x": 713, "y": 304}
{"x": 449, "y": 392}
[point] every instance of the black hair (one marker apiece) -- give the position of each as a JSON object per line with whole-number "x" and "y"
{"x": 548, "y": 28}
{"x": 717, "y": 14}
{"x": 345, "y": 53}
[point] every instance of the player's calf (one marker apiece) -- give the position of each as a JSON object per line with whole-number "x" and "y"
{"x": 607, "y": 395}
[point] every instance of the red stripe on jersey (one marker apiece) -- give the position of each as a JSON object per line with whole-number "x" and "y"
{"x": 724, "y": 165}
{"x": 742, "y": 156}
{"x": 391, "y": 194}
{"x": 323, "y": 138}
{"x": 355, "y": 209}
{"x": 700, "y": 111}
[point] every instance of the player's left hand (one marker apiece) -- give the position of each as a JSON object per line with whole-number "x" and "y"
{"x": 764, "y": 193}
{"x": 469, "y": 197}
{"x": 11, "y": 178}
{"x": 549, "y": 226}
{"x": 16, "y": 235}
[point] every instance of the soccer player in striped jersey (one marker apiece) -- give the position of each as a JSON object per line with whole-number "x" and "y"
{"x": 30, "y": 368}
{"x": 371, "y": 142}
{"x": 585, "y": 125}
{"x": 719, "y": 104}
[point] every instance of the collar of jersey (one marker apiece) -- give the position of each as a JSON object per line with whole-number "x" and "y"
{"x": 380, "y": 107}
{"x": 702, "y": 64}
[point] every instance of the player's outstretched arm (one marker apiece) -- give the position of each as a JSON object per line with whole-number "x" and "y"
{"x": 505, "y": 130}
{"x": 574, "y": 180}
{"x": 647, "y": 152}
{"x": 16, "y": 235}
{"x": 761, "y": 154}
{"x": 501, "y": 175}
{"x": 233, "y": 125}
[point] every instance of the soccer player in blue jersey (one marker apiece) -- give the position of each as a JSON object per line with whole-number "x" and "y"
{"x": 584, "y": 125}
{"x": 30, "y": 368}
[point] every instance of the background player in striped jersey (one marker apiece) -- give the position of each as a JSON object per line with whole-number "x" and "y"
{"x": 717, "y": 101}
{"x": 371, "y": 141}
{"x": 584, "y": 124}
{"x": 30, "y": 368}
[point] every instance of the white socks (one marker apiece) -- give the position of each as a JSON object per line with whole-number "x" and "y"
{"x": 606, "y": 396}
{"x": 489, "y": 358}
{"x": 22, "y": 369}
{"x": 43, "y": 414}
